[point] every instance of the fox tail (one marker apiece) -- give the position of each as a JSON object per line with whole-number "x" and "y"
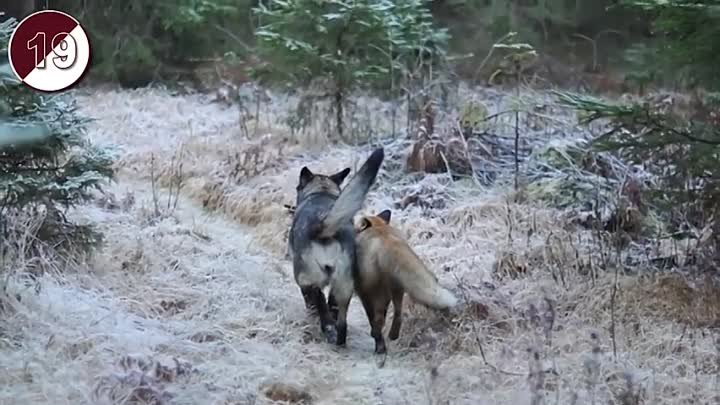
{"x": 352, "y": 196}
{"x": 424, "y": 288}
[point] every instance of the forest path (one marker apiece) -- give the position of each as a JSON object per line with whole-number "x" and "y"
{"x": 202, "y": 287}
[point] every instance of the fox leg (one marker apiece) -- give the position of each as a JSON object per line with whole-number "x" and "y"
{"x": 333, "y": 306}
{"x": 340, "y": 297}
{"x": 308, "y": 294}
{"x": 342, "y": 321}
{"x": 397, "y": 300}
{"x": 315, "y": 300}
{"x": 379, "y": 313}
{"x": 369, "y": 311}
{"x": 376, "y": 325}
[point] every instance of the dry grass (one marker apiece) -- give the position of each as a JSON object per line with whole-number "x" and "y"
{"x": 198, "y": 305}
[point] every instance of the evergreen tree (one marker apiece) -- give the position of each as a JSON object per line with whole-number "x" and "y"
{"x": 686, "y": 38}
{"x": 681, "y": 152}
{"x": 46, "y": 164}
{"x": 354, "y": 45}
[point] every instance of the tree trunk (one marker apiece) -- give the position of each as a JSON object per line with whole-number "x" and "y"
{"x": 339, "y": 84}
{"x": 339, "y": 108}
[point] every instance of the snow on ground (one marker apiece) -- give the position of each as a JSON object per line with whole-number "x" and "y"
{"x": 197, "y": 305}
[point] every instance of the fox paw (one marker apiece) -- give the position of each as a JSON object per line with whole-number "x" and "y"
{"x": 341, "y": 333}
{"x": 330, "y": 334}
{"x": 380, "y": 348}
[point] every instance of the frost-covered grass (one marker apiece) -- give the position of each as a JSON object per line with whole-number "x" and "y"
{"x": 197, "y": 305}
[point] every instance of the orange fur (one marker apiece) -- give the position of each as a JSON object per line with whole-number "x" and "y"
{"x": 387, "y": 268}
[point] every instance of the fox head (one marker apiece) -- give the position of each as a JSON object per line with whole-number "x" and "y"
{"x": 378, "y": 221}
{"x": 311, "y": 183}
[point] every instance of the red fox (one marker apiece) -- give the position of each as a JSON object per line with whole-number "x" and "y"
{"x": 387, "y": 268}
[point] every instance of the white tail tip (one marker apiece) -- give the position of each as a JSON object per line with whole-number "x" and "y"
{"x": 446, "y": 299}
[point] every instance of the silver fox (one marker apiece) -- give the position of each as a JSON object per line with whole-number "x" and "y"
{"x": 322, "y": 241}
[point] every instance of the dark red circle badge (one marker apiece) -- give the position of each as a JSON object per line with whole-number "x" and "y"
{"x": 49, "y": 50}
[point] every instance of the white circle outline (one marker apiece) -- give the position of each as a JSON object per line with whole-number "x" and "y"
{"x": 87, "y": 64}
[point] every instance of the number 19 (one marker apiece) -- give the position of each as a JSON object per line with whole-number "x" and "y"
{"x": 65, "y": 57}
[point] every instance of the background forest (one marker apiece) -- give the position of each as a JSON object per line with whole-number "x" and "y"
{"x": 555, "y": 162}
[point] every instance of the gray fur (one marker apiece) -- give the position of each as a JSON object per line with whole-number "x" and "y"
{"x": 322, "y": 240}
{"x": 352, "y": 197}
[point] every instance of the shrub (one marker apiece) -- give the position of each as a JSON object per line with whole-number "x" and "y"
{"x": 681, "y": 151}
{"x": 685, "y": 34}
{"x": 136, "y": 41}
{"x": 46, "y": 165}
{"x": 354, "y": 45}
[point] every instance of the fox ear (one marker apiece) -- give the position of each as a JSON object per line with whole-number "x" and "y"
{"x": 305, "y": 176}
{"x": 364, "y": 224}
{"x": 340, "y": 176}
{"x": 385, "y": 216}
